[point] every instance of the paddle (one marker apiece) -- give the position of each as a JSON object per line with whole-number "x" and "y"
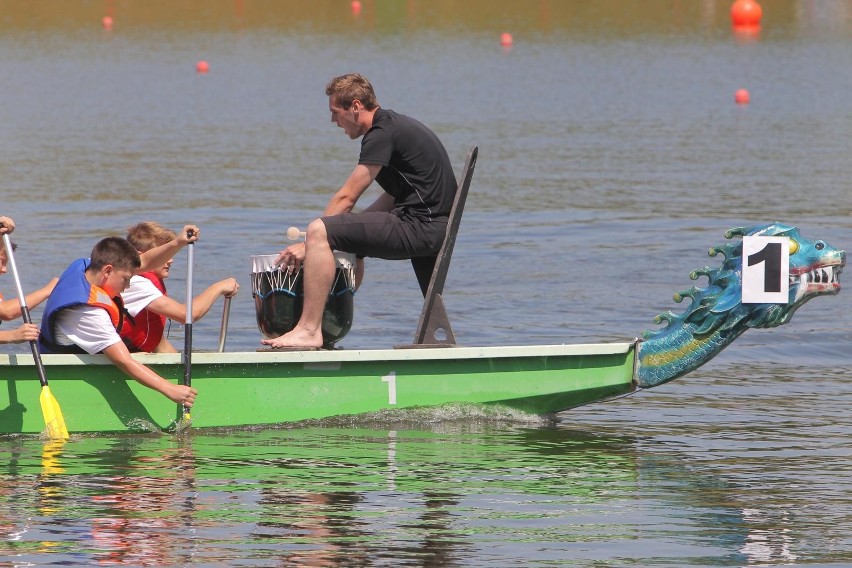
{"x": 53, "y": 419}
{"x": 223, "y": 332}
{"x": 187, "y": 342}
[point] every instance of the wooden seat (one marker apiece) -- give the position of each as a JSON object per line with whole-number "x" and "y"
{"x": 433, "y": 329}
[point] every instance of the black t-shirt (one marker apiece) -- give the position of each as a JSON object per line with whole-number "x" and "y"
{"x": 416, "y": 169}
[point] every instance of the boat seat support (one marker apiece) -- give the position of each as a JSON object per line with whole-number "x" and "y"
{"x": 433, "y": 329}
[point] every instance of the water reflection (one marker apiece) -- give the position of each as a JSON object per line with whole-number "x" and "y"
{"x": 454, "y": 496}
{"x": 320, "y": 524}
{"x": 139, "y": 517}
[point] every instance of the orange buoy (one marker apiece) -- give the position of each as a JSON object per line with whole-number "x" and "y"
{"x": 106, "y": 22}
{"x": 356, "y": 7}
{"x": 506, "y": 40}
{"x": 745, "y": 13}
{"x": 202, "y": 66}
{"x": 742, "y": 97}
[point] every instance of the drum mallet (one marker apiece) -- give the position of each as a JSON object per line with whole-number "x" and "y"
{"x": 294, "y": 234}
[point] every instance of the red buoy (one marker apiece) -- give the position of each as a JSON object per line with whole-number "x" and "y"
{"x": 356, "y": 7}
{"x": 742, "y": 97}
{"x": 746, "y": 13}
{"x": 506, "y": 40}
{"x": 202, "y": 66}
{"x": 106, "y": 22}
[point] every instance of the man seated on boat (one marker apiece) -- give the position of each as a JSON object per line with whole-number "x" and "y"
{"x": 11, "y": 309}
{"x": 146, "y": 301}
{"x": 407, "y": 221}
{"x": 84, "y": 312}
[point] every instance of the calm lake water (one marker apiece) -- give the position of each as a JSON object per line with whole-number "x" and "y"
{"x": 612, "y": 156}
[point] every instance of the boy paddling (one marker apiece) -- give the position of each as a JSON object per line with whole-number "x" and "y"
{"x": 11, "y": 309}
{"x": 146, "y": 301}
{"x": 85, "y": 312}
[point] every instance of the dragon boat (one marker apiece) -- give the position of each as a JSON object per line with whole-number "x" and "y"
{"x": 252, "y": 389}
{"x": 767, "y": 273}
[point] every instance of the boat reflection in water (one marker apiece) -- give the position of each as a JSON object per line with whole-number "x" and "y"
{"x": 451, "y": 494}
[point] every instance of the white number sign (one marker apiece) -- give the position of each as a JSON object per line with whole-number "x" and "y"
{"x": 766, "y": 270}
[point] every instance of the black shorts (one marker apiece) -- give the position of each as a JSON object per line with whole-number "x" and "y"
{"x": 394, "y": 235}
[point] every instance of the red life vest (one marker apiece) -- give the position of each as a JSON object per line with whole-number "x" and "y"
{"x": 145, "y": 331}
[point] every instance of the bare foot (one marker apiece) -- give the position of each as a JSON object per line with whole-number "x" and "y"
{"x": 298, "y": 338}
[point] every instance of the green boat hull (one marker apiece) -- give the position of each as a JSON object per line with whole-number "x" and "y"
{"x": 241, "y": 390}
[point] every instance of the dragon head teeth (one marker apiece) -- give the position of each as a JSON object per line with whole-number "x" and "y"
{"x": 821, "y": 280}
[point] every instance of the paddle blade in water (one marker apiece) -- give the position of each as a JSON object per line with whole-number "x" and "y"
{"x": 185, "y": 422}
{"x": 53, "y": 419}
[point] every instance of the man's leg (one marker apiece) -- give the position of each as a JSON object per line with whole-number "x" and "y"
{"x": 423, "y": 268}
{"x": 317, "y": 277}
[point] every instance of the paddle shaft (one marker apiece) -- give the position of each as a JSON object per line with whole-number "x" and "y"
{"x": 223, "y": 332}
{"x": 25, "y": 311}
{"x": 187, "y": 336}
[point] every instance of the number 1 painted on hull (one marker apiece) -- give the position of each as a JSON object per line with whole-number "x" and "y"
{"x": 390, "y": 379}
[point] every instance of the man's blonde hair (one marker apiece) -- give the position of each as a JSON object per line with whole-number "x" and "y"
{"x": 351, "y": 87}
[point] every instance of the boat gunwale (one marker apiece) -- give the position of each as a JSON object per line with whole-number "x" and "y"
{"x": 337, "y": 355}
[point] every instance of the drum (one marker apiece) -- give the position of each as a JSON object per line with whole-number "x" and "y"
{"x": 278, "y": 297}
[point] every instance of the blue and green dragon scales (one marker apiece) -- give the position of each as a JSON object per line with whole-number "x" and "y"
{"x": 716, "y": 315}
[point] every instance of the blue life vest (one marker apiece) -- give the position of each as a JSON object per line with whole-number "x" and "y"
{"x": 73, "y": 289}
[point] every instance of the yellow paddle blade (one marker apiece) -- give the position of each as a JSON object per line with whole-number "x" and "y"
{"x": 51, "y": 464}
{"x": 53, "y": 419}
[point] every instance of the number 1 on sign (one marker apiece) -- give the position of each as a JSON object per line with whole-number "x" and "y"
{"x": 766, "y": 270}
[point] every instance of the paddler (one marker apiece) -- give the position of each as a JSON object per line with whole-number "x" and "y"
{"x": 146, "y": 301}
{"x": 11, "y": 309}
{"x": 84, "y": 312}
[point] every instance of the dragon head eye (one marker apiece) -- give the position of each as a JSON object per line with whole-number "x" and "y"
{"x": 819, "y": 245}
{"x": 794, "y": 246}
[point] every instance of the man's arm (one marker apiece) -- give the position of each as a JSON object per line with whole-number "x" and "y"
{"x": 383, "y": 202}
{"x": 355, "y": 185}
{"x": 120, "y": 356}
{"x": 341, "y": 202}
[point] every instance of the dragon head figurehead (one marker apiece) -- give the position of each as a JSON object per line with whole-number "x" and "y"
{"x": 716, "y": 315}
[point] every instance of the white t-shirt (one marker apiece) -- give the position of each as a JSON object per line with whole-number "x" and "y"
{"x": 88, "y": 327}
{"x": 139, "y": 294}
